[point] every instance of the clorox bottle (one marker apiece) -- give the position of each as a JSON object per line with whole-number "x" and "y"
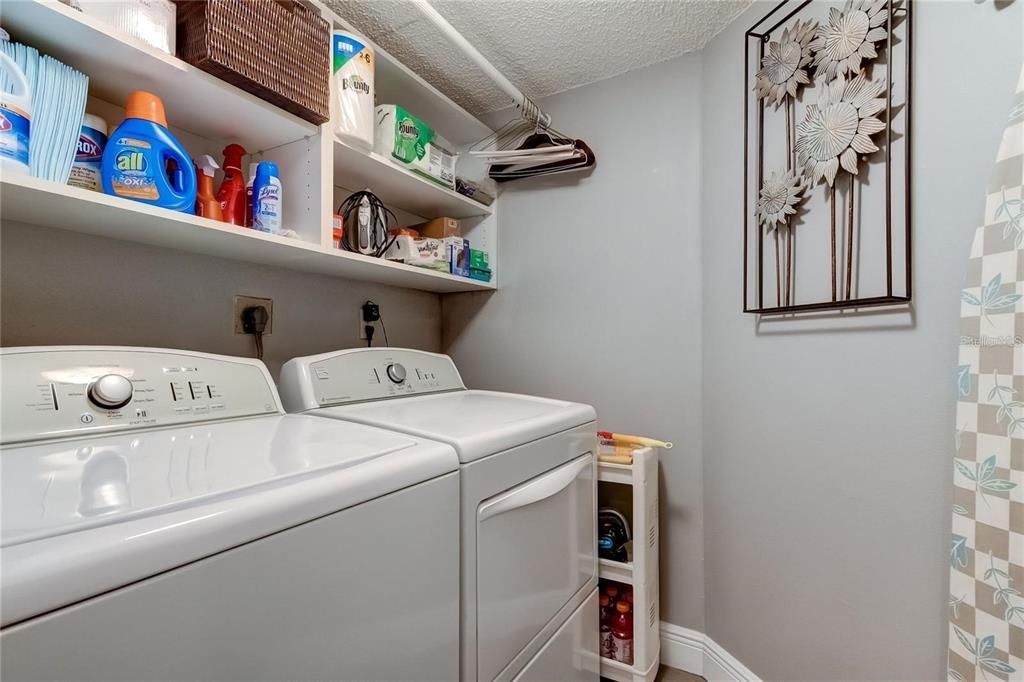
{"x": 15, "y": 119}
{"x": 144, "y": 162}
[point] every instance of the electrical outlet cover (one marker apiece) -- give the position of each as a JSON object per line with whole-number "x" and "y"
{"x": 243, "y": 302}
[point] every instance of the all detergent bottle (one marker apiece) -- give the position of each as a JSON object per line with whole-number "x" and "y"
{"x": 144, "y": 162}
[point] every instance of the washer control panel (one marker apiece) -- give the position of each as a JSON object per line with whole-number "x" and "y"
{"x": 362, "y": 374}
{"x": 54, "y": 392}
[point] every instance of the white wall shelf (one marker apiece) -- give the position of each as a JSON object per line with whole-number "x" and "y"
{"x": 39, "y": 202}
{"x": 633, "y": 490}
{"x": 398, "y": 187}
{"x": 117, "y": 64}
{"x": 207, "y": 113}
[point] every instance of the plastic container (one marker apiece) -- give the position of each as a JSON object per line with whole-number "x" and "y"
{"x": 15, "y": 119}
{"x": 207, "y": 204}
{"x": 144, "y": 162}
{"x": 605, "y": 626}
{"x": 87, "y": 170}
{"x": 248, "y": 194}
{"x": 232, "y": 189}
{"x": 267, "y": 198}
{"x": 622, "y": 633}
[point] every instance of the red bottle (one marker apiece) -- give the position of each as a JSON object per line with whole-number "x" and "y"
{"x": 231, "y": 194}
{"x": 622, "y": 633}
{"x": 606, "y": 628}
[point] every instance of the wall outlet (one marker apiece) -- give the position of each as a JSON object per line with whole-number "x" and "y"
{"x": 362, "y": 329}
{"x": 243, "y": 302}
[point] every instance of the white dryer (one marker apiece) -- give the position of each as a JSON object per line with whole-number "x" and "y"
{"x": 528, "y": 501}
{"x": 162, "y": 518}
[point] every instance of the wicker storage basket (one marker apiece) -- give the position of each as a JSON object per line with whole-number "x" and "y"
{"x": 278, "y": 50}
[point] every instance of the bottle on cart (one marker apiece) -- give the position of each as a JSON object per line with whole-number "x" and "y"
{"x": 622, "y": 633}
{"x": 606, "y": 628}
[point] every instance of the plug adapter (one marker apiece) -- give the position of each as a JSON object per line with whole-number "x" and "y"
{"x": 254, "y": 319}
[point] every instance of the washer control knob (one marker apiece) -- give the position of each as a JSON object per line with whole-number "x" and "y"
{"x": 396, "y": 373}
{"x": 110, "y": 392}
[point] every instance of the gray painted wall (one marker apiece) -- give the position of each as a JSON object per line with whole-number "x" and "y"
{"x": 827, "y": 444}
{"x": 599, "y": 297}
{"x": 62, "y": 287}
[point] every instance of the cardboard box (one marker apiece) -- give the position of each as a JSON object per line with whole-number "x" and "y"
{"x": 439, "y": 228}
{"x": 458, "y": 257}
{"x": 479, "y": 260}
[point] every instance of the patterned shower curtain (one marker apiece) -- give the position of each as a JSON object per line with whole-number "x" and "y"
{"x": 986, "y": 606}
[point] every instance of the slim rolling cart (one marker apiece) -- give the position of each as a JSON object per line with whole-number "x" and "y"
{"x": 633, "y": 490}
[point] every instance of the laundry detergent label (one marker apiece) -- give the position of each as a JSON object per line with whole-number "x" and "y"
{"x": 86, "y": 172}
{"x": 14, "y": 133}
{"x": 132, "y": 177}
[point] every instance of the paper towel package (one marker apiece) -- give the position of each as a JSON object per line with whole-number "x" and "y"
{"x": 151, "y": 21}
{"x": 352, "y": 102}
{"x": 412, "y": 144}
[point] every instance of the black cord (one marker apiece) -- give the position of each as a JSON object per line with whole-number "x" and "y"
{"x": 377, "y": 209}
{"x": 369, "y": 327}
{"x": 259, "y": 345}
{"x": 385, "y": 330}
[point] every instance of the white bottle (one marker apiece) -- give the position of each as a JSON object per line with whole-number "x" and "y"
{"x": 15, "y": 119}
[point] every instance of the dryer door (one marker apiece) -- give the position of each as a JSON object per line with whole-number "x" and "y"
{"x": 536, "y": 548}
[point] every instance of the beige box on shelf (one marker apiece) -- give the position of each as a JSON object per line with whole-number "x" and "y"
{"x": 439, "y": 228}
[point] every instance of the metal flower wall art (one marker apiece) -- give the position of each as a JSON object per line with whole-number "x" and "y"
{"x": 784, "y": 67}
{"x": 849, "y": 37}
{"x": 781, "y": 194}
{"x": 839, "y": 127}
{"x": 830, "y": 123}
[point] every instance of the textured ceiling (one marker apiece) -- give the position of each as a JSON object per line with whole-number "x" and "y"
{"x": 543, "y": 46}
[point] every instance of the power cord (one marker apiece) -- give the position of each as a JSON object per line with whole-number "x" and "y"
{"x": 371, "y": 314}
{"x": 254, "y": 321}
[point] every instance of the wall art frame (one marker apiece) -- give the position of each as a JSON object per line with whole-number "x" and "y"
{"x": 785, "y": 80}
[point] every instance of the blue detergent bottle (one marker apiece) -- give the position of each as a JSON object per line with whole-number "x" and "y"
{"x": 144, "y": 162}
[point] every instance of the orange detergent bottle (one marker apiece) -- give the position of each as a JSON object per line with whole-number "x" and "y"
{"x": 206, "y": 201}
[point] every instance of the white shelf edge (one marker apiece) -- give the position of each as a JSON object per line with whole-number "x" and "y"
{"x": 72, "y": 36}
{"x": 615, "y": 570}
{"x": 39, "y": 202}
{"x": 621, "y": 672}
{"x": 614, "y": 473}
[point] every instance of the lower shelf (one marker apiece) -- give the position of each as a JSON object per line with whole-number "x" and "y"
{"x": 622, "y": 672}
{"x": 38, "y": 202}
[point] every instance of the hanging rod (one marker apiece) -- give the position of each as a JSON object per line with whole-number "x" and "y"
{"x": 526, "y": 106}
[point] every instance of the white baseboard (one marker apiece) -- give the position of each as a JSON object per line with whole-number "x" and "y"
{"x": 695, "y": 652}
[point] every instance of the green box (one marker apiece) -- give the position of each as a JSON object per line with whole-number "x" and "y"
{"x": 478, "y": 260}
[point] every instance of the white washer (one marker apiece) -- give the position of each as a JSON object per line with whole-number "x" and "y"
{"x": 528, "y": 498}
{"x": 162, "y": 518}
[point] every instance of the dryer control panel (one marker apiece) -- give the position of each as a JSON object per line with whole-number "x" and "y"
{"x": 361, "y": 374}
{"x": 51, "y": 392}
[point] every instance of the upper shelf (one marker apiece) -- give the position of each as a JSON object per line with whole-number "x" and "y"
{"x": 398, "y": 187}
{"x": 38, "y": 202}
{"x": 117, "y": 64}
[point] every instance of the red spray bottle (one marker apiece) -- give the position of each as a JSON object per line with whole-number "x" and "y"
{"x": 231, "y": 194}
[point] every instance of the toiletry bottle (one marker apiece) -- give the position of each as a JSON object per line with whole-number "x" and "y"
{"x": 144, "y": 162}
{"x": 266, "y": 198}
{"x": 15, "y": 119}
{"x": 605, "y": 626}
{"x": 87, "y": 170}
{"x": 622, "y": 633}
{"x": 232, "y": 189}
{"x": 207, "y": 204}
{"x": 248, "y": 194}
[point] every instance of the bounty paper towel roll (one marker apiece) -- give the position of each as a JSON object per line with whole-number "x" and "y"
{"x": 352, "y": 116}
